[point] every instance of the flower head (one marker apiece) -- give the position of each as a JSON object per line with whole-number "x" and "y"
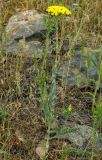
{"x": 69, "y": 108}
{"x": 58, "y": 10}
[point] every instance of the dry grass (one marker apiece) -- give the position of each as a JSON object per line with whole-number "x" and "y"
{"x": 88, "y": 12}
{"x": 18, "y": 92}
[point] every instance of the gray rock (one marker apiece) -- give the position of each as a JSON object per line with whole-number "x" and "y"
{"x": 77, "y": 134}
{"x": 25, "y": 24}
{"x": 80, "y": 135}
{"x": 23, "y": 34}
{"x": 85, "y": 131}
{"x": 75, "y": 72}
{"x": 42, "y": 149}
{"x": 29, "y": 49}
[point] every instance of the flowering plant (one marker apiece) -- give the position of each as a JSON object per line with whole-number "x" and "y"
{"x": 58, "y": 10}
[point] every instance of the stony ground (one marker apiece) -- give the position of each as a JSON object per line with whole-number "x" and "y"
{"x": 23, "y": 128}
{"x": 23, "y": 132}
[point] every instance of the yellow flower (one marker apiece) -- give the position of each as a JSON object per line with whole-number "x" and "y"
{"x": 58, "y": 10}
{"x": 69, "y": 108}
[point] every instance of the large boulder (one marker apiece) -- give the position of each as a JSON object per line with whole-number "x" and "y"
{"x": 79, "y": 70}
{"x": 24, "y": 33}
{"x": 25, "y": 24}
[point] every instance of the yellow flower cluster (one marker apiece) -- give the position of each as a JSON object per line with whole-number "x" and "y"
{"x": 58, "y": 10}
